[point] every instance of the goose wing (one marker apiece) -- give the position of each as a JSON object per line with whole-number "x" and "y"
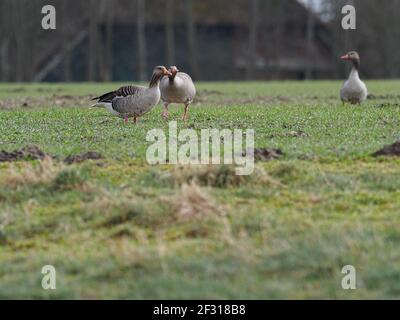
{"x": 188, "y": 88}
{"x": 184, "y": 76}
{"x": 124, "y": 91}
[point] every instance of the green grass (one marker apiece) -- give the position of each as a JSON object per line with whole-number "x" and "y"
{"x": 120, "y": 228}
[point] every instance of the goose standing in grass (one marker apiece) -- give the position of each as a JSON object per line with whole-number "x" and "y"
{"x": 133, "y": 101}
{"x": 353, "y": 90}
{"x": 177, "y": 88}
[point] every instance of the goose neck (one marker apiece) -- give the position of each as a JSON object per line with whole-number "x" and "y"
{"x": 172, "y": 77}
{"x": 356, "y": 64}
{"x": 354, "y": 73}
{"x": 155, "y": 80}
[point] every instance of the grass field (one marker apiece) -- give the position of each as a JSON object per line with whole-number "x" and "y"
{"x": 120, "y": 228}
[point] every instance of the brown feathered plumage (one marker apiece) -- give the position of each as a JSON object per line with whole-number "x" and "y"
{"x": 121, "y": 92}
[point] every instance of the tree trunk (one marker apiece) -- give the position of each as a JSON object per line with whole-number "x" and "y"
{"x": 253, "y": 24}
{"x": 18, "y": 34}
{"x": 141, "y": 38}
{"x": 4, "y": 62}
{"x": 20, "y": 74}
{"x": 108, "y": 48}
{"x": 30, "y": 37}
{"x": 93, "y": 41}
{"x": 5, "y": 41}
{"x": 310, "y": 39}
{"x": 67, "y": 72}
{"x": 169, "y": 31}
{"x": 390, "y": 36}
{"x": 396, "y": 35}
{"x": 191, "y": 39}
{"x": 67, "y": 63}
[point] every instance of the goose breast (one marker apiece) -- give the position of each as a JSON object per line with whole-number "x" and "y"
{"x": 354, "y": 90}
{"x": 179, "y": 90}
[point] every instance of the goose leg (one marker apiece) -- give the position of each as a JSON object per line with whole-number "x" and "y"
{"x": 165, "y": 113}
{"x": 185, "y": 115}
{"x": 135, "y": 120}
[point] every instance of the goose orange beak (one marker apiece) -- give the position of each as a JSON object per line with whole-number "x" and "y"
{"x": 345, "y": 57}
{"x": 166, "y": 73}
{"x": 173, "y": 69}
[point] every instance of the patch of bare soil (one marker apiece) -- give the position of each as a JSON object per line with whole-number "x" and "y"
{"x": 206, "y": 95}
{"x": 211, "y": 92}
{"x": 40, "y": 89}
{"x": 218, "y": 97}
{"x": 18, "y": 89}
{"x": 25, "y": 153}
{"x": 299, "y": 133}
{"x": 331, "y": 97}
{"x": 383, "y": 97}
{"x": 34, "y": 153}
{"x": 77, "y": 158}
{"x": 58, "y": 100}
{"x": 387, "y": 105}
{"x": 390, "y": 150}
{"x": 268, "y": 100}
{"x": 265, "y": 154}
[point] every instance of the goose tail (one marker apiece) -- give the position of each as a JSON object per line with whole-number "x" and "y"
{"x": 101, "y": 105}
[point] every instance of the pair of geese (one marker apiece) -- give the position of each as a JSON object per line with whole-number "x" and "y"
{"x": 131, "y": 101}
{"x": 173, "y": 86}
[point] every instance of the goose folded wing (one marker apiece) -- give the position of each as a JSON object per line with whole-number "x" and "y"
{"x": 121, "y": 92}
{"x": 185, "y": 76}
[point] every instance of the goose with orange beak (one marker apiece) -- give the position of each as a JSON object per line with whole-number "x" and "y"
{"x": 354, "y": 90}
{"x": 177, "y": 88}
{"x": 133, "y": 101}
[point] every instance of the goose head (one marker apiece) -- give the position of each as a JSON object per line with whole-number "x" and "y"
{"x": 173, "y": 70}
{"x": 158, "y": 73}
{"x": 161, "y": 71}
{"x": 352, "y": 56}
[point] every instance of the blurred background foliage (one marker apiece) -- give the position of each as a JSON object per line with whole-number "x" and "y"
{"x": 120, "y": 40}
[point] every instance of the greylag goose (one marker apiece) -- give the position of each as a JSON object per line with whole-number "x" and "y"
{"x": 353, "y": 90}
{"x": 177, "y": 88}
{"x": 133, "y": 101}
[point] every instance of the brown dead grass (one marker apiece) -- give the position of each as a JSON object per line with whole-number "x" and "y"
{"x": 194, "y": 203}
{"x": 190, "y": 208}
{"x": 43, "y": 172}
{"x": 222, "y": 176}
{"x": 54, "y": 174}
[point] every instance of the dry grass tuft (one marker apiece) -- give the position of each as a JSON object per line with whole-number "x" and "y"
{"x": 194, "y": 203}
{"x": 219, "y": 176}
{"x": 43, "y": 172}
{"x": 56, "y": 175}
{"x": 122, "y": 209}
